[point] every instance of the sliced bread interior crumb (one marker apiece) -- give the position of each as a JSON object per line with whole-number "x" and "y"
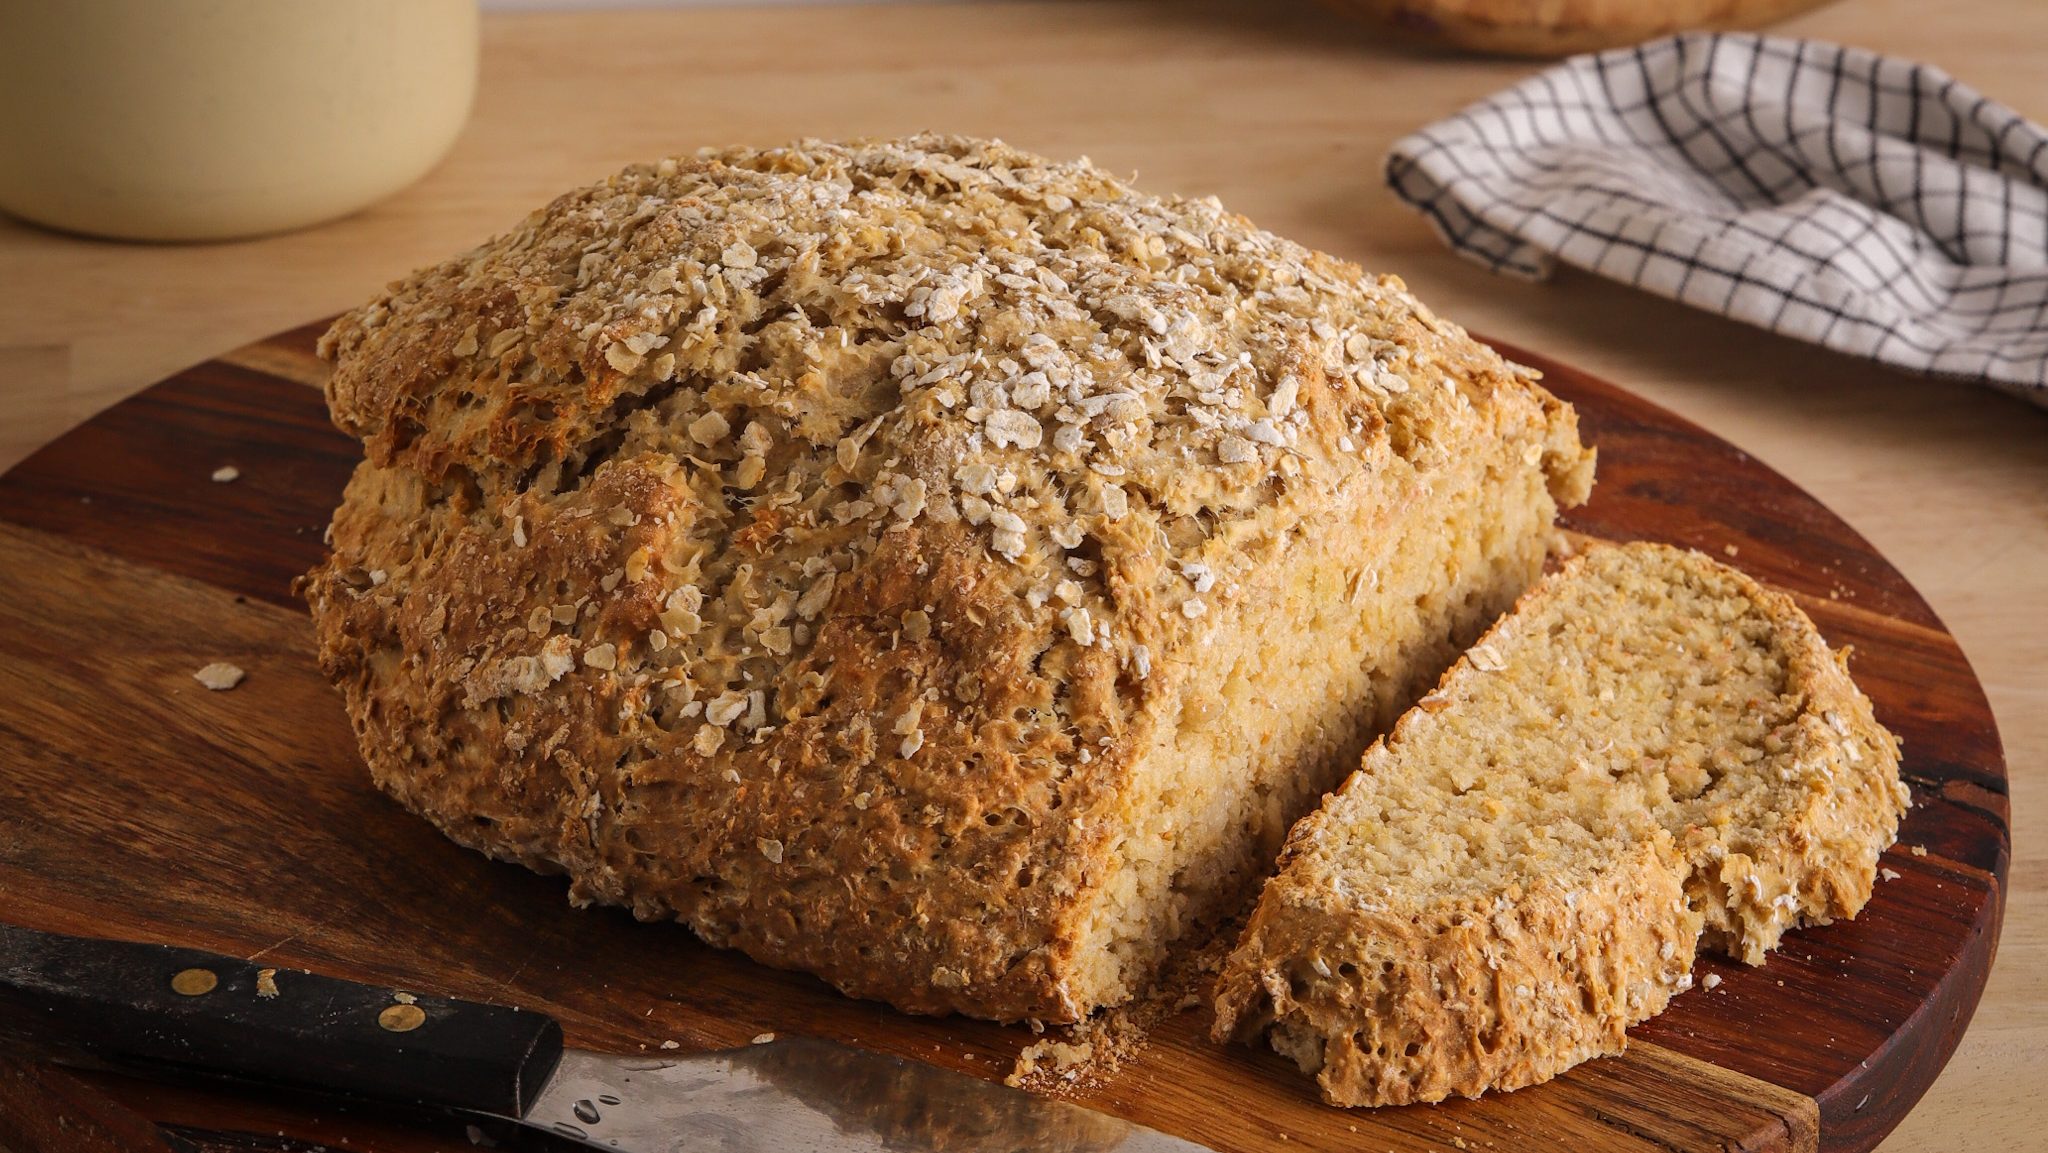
{"x": 1649, "y": 744}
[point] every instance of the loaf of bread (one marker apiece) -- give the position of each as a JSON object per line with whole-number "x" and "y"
{"x": 1650, "y": 744}
{"x": 915, "y": 562}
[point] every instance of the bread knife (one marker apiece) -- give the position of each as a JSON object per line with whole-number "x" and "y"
{"x": 162, "y": 1011}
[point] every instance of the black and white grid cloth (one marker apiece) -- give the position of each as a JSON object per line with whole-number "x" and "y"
{"x": 1866, "y": 203}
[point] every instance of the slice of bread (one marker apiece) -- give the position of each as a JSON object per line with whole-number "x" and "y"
{"x": 1651, "y": 751}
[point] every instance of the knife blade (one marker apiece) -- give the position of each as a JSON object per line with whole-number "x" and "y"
{"x": 164, "y": 1011}
{"x": 801, "y": 1094}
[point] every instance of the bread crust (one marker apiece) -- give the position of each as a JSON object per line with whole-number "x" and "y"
{"x": 1472, "y": 996}
{"x": 1818, "y": 860}
{"x": 802, "y": 543}
{"x": 1405, "y": 996}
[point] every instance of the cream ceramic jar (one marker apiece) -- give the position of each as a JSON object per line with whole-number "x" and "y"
{"x": 207, "y": 119}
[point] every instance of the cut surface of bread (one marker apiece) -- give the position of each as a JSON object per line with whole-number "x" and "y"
{"x": 917, "y": 562}
{"x": 1649, "y": 752}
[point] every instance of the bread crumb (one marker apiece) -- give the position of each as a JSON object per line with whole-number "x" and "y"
{"x": 266, "y": 983}
{"x": 1731, "y": 550}
{"x": 1080, "y": 1055}
{"x": 226, "y": 474}
{"x": 1061, "y": 1057}
{"x": 220, "y": 676}
{"x": 1711, "y": 981}
{"x": 1889, "y": 874}
{"x": 670, "y": 1045}
{"x": 763, "y": 1038}
{"x": 1919, "y": 850}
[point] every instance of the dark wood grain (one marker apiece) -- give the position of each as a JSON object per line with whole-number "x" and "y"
{"x": 137, "y": 480}
{"x": 44, "y": 1109}
{"x": 196, "y": 1113}
{"x": 135, "y": 803}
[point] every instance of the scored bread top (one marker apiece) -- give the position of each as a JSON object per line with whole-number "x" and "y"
{"x": 921, "y": 462}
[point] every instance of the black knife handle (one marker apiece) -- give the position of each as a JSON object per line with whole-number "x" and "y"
{"x": 162, "y": 1010}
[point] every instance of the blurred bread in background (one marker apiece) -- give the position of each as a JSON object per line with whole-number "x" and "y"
{"x": 1563, "y": 27}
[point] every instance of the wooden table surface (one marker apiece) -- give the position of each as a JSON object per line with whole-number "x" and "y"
{"x": 1286, "y": 117}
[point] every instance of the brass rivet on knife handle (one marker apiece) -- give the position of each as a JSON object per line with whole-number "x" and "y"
{"x": 194, "y": 982}
{"x": 402, "y": 1018}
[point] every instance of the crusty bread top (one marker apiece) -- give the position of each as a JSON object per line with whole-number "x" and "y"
{"x": 804, "y": 352}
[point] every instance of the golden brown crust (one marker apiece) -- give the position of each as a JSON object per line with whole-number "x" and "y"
{"x": 1386, "y": 1007}
{"x": 1813, "y": 856}
{"x": 802, "y": 543}
{"x": 1734, "y": 785}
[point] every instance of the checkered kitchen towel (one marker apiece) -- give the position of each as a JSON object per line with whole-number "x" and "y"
{"x": 1866, "y": 203}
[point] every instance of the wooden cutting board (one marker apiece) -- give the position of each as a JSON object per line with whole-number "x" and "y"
{"x": 134, "y": 803}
